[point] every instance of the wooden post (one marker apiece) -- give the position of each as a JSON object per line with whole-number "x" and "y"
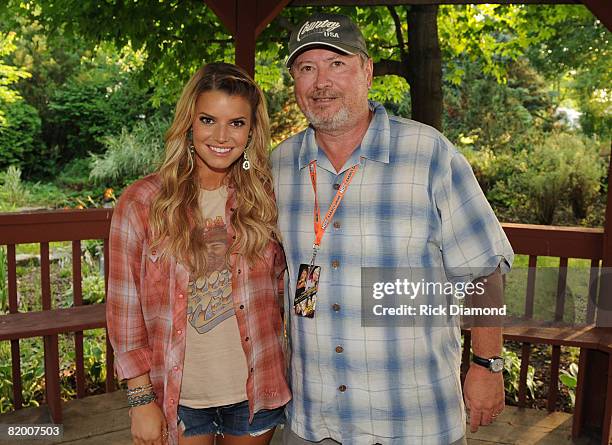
{"x": 245, "y": 20}
{"x": 246, "y": 23}
{"x": 594, "y": 408}
{"x": 604, "y": 304}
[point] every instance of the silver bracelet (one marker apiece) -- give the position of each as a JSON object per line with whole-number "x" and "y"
{"x": 141, "y": 399}
{"x": 139, "y": 389}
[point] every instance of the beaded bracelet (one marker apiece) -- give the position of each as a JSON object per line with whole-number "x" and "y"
{"x": 142, "y": 399}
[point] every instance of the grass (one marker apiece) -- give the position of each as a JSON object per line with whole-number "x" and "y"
{"x": 546, "y": 282}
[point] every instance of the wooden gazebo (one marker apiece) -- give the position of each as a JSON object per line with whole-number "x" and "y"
{"x": 245, "y": 20}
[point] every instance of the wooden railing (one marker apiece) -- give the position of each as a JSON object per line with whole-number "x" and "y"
{"x": 43, "y": 228}
{"x": 74, "y": 226}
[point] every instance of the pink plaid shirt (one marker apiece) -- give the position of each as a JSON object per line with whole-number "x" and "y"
{"x": 146, "y": 309}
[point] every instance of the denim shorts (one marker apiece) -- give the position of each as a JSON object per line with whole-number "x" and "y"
{"x": 229, "y": 419}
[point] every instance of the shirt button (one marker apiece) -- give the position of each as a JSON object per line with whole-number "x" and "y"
{"x": 252, "y": 369}
{"x": 336, "y": 307}
{"x": 180, "y": 296}
{"x": 179, "y": 332}
{"x": 336, "y": 225}
{"x": 335, "y": 264}
{"x": 342, "y": 388}
{"x": 172, "y": 401}
{"x": 339, "y": 349}
{"x": 176, "y": 368}
{"x": 242, "y": 306}
{"x": 336, "y": 186}
{"x": 246, "y": 339}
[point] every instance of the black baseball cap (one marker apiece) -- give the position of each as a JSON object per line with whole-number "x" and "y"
{"x": 334, "y": 31}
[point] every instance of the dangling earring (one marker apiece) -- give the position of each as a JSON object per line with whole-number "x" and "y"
{"x": 190, "y": 150}
{"x": 246, "y": 164}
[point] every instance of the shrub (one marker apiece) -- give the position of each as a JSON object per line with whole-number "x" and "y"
{"x": 563, "y": 169}
{"x": 13, "y": 191}
{"x": 584, "y": 180}
{"x": 89, "y": 107}
{"x": 20, "y": 138}
{"x": 75, "y": 174}
{"x": 130, "y": 154}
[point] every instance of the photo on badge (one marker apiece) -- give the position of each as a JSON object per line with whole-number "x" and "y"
{"x": 306, "y": 290}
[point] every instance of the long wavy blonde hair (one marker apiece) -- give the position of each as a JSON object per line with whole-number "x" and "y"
{"x": 175, "y": 220}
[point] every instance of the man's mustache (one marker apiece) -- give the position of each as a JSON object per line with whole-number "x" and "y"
{"x": 325, "y": 95}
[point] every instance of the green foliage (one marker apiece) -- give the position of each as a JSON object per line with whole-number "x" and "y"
{"x": 497, "y": 116}
{"x": 512, "y": 373}
{"x": 131, "y": 154}
{"x": 490, "y": 36}
{"x": 562, "y": 168}
{"x": 32, "y": 373}
{"x": 388, "y": 88}
{"x": 286, "y": 118}
{"x": 587, "y": 172}
{"x": 574, "y": 52}
{"x": 9, "y": 74}
{"x": 20, "y": 137}
{"x": 75, "y": 174}
{"x": 188, "y": 32}
{"x": 91, "y": 106}
{"x": 13, "y": 191}
{"x": 569, "y": 378}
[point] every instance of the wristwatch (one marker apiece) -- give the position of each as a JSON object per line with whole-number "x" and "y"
{"x": 493, "y": 364}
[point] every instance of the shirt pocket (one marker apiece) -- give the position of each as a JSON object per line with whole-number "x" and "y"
{"x": 154, "y": 283}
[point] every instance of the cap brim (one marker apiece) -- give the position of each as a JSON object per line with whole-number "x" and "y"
{"x": 296, "y": 52}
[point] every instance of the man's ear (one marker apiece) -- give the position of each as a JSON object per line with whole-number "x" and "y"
{"x": 370, "y": 71}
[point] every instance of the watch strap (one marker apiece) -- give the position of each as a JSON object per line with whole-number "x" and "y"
{"x": 485, "y": 362}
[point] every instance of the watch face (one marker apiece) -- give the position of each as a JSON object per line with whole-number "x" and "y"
{"x": 497, "y": 364}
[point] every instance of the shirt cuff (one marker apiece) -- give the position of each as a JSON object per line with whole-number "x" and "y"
{"x": 134, "y": 363}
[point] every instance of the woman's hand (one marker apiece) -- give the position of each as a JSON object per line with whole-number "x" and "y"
{"x": 149, "y": 425}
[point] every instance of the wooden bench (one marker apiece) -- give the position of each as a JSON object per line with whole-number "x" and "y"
{"x": 593, "y": 406}
{"x": 49, "y": 324}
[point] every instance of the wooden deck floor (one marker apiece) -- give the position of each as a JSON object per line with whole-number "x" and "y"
{"x": 103, "y": 420}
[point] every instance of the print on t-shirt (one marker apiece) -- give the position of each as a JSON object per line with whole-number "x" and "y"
{"x": 210, "y": 296}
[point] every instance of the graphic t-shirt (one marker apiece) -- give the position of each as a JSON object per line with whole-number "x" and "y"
{"x": 215, "y": 369}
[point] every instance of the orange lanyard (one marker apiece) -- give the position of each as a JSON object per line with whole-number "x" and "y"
{"x": 321, "y": 226}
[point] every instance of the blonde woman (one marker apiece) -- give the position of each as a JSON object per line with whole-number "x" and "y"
{"x": 193, "y": 306}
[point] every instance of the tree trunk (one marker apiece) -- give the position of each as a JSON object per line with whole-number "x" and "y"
{"x": 425, "y": 65}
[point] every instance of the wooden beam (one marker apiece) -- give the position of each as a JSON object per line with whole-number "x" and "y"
{"x": 602, "y": 10}
{"x": 226, "y": 11}
{"x": 268, "y": 10}
{"x": 245, "y": 20}
{"x": 571, "y": 242}
{"x": 246, "y": 24}
{"x": 426, "y": 2}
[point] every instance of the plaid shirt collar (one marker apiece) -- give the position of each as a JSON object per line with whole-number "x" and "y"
{"x": 374, "y": 146}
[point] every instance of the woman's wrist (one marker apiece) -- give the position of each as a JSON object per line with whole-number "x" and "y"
{"x": 140, "y": 395}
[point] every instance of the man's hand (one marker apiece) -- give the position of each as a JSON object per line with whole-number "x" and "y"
{"x": 484, "y": 396}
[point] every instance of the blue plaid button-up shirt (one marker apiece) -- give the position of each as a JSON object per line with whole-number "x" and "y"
{"x": 414, "y": 202}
